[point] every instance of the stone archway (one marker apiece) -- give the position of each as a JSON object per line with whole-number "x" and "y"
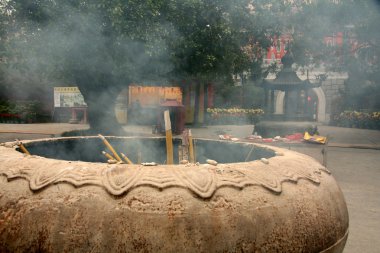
{"x": 321, "y": 117}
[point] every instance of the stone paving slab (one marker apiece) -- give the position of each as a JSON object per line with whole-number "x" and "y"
{"x": 43, "y": 129}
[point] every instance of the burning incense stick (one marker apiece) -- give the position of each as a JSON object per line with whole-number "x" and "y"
{"x": 110, "y": 147}
{"x": 126, "y": 158}
{"x": 22, "y": 147}
{"x": 169, "y": 138}
{"x": 110, "y": 157}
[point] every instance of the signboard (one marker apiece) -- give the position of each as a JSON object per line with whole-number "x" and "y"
{"x": 68, "y": 97}
{"x": 151, "y": 96}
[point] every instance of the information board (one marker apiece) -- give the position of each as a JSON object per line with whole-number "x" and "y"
{"x": 68, "y": 97}
{"x": 151, "y": 96}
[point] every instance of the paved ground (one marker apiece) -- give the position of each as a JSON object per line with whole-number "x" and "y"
{"x": 353, "y": 157}
{"x": 9, "y": 132}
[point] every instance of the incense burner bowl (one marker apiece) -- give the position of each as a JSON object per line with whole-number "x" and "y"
{"x": 286, "y": 202}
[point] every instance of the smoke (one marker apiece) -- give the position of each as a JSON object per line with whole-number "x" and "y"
{"x": 102, "y": 47}
{"x": 145, "y": 149}
{"x": 61, "y": 44}
{"x": 81, "y": 44}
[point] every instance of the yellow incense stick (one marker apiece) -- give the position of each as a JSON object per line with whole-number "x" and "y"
{"x": 126, "y": 158}
{"x": 110, "y": 157}
{"x": 110, "y": 147}
{"x": 169, "y": 138}
{"x": 23, "y": 148}
{"x": 191, "y": 148}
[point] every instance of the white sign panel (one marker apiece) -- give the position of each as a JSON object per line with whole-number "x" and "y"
{"x": 68, "y": 97}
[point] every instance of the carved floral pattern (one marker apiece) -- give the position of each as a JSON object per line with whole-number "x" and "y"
{"x": 202, "y": 180}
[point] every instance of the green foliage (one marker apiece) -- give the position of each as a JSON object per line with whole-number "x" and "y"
{"x": 134, "y": 40}
{"x": 20, "y": 111}
{"x": 104, "y": 45}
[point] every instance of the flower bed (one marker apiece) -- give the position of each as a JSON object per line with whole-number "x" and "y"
{"x": 233, "y": 116}
{"x": 9, "y": 118}
{"x": 356, "y": 119}
{"x": 21, "y": 112}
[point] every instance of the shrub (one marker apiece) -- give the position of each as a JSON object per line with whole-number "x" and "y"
{"x": 356, "y": 119}
{"x": 233, "y": 116}
{"x": 20, "y": 111}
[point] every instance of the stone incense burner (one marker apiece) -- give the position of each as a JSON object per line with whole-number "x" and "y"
{"x": 64, "y": 198}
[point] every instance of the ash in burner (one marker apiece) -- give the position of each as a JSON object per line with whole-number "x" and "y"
{"x": 149, "y": 149}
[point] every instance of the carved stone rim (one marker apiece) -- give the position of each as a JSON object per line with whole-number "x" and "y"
{"x": 118, "y": 179}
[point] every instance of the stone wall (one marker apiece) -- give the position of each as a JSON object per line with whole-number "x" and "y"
{"x": 332, "y": 89}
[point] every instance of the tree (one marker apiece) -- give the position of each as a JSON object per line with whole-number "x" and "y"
{"x": 102, "y": 46}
